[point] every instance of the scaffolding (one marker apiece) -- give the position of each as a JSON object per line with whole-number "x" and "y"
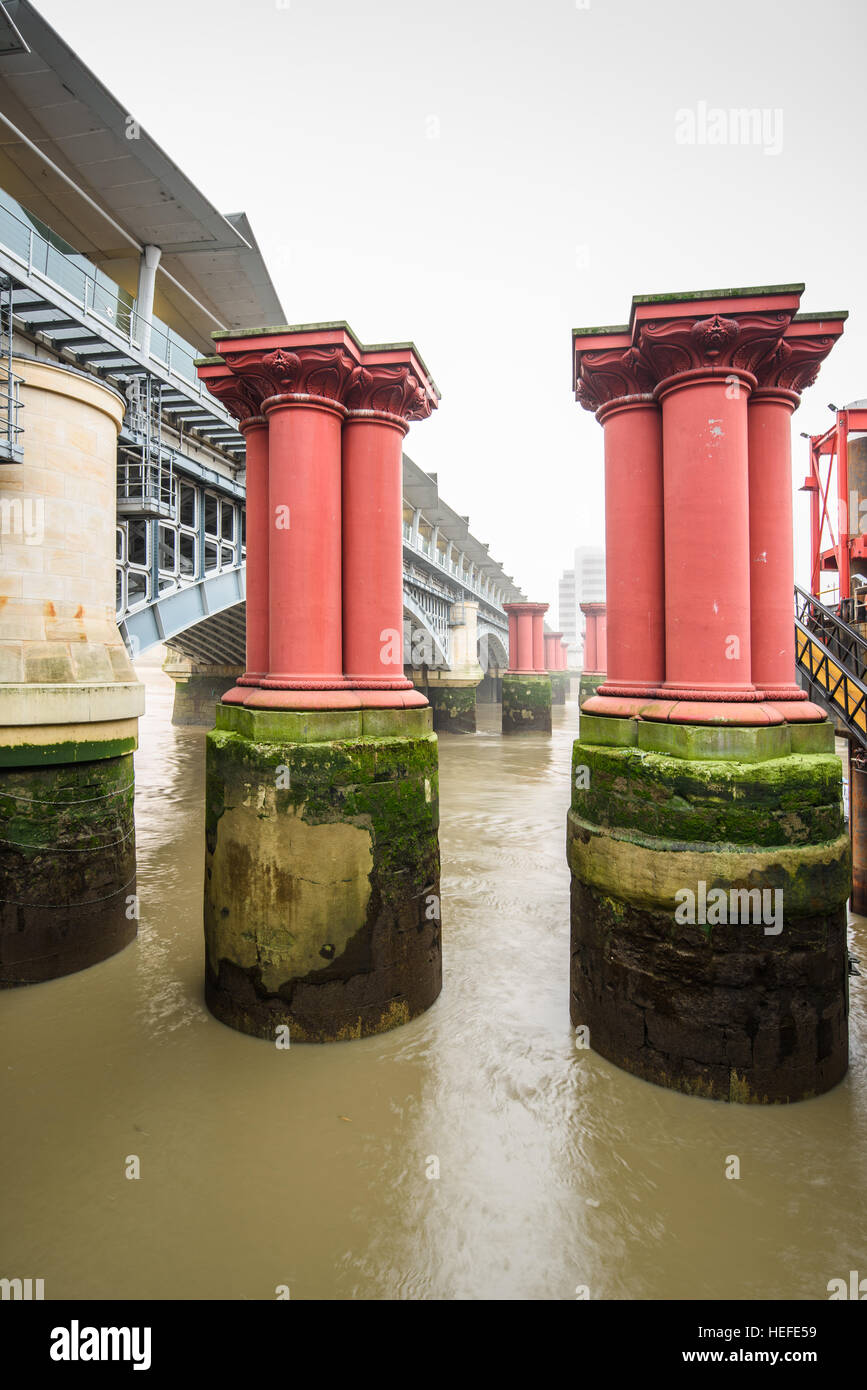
{"x": 10, "y": 385}
{"x": 145, "y": 474}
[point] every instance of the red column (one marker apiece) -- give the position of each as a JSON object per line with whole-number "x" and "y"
{"x": 707, "y": 570}
{"x": 781, "y": 378}
{"x": 525, "y": 639}
{"x": 255, "y": 432}
{"x": 772, "y": 576}
{"x": 602, "y": 640}
{"x": 562, "y": 658}
{"x": 615, "y": 381}
{"x": 304, "y": 457}
{"x": 372, "y": 552}
{"x": 526, "y": 643}
{"x": 386, "y": 391}
{"x": 539, "y": 611}
{"x": 244, "y": 401}
{"x": 553, "y": 651}
{"x": 634, "y": 548}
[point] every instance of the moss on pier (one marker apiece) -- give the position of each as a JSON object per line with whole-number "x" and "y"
{"x": 322, "y": 881}
{"x": 526, "y": 703}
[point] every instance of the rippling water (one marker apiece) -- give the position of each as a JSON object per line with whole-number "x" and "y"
{"x": 308, "y": 1167}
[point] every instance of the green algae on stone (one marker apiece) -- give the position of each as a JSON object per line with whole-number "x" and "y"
{"x": 526, "y": 703}
{"x": 322, "y": 868}
{"x": 67, "y": 866}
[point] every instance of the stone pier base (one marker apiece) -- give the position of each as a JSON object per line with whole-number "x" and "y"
{"x": 198, "y": 688}
{"x": 489, "y": 691}
{"x": 322, "y": 907}
{"x": 526, "y": 704}
{"x": 710, "y": 872}
{"x": 454, "y": 708}
{"x": 67, "y": 865}
{"x": 559, "y": 686}
{"x": 589, "y": 683}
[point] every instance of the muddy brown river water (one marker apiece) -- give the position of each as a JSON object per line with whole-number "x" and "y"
{"x": 314, "y": 1168}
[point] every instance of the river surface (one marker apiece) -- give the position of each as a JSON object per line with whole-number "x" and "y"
{"x": 308, "y": 1168}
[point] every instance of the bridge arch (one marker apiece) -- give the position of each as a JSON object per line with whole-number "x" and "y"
{"x": 420, "y": 629}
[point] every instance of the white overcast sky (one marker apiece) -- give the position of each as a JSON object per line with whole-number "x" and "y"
{"x": 482, "y": 175}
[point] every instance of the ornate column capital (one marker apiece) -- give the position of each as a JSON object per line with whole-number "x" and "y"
{"x": 239, "y": 397}
{"x": 717, "y": 331}
{"x": 310, "y": 361}
{"x": 317, "y": 373}
{"x": 608, "y": 367}
{"x": 794, "y": 365}
{"x": 524, "y": 608}
{"x": 391, "y": 385}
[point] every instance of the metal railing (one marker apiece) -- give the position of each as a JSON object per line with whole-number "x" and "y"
{"x": 100, "y": 298}
{"x": 10, "y": 386}
{"x": 833, "y": 657}
{"x": 11, "y": 450}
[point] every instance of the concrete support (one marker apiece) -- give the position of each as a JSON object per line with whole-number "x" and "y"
{"x": 710, "y": 865}
{"x": 69, "y": 698}
{"x": 452, "y": 692}
{"x": 199, "y": 688}
{"x": 144, "y": 301}
{"x": 489, "y": 691}
{"x": 708, "y": 923}
{"x": 322, "y": 910}
{"x": 858, "y": 828}
{"x": 322, "y": 871}
{"x": 454, "y": 707}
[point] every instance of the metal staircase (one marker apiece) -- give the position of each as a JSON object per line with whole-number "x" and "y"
{"x": 832, "y": 657}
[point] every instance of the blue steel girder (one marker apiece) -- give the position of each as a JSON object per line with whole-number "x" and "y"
{"x": 174, "y": 613}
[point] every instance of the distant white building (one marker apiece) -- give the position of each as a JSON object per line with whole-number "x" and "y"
{"x": 584, "y": 583}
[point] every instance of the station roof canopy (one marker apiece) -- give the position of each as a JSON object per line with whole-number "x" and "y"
{"x": 66, "y": 155}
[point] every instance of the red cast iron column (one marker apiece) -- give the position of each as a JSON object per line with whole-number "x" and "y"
{"x": 539, "y": 611}
{"x": 793, "y": 367}
{"x": 704, "y": 352}
{"x": 388, "y": 390}
{"x": 613, "y": 380}
{"x": 300, "y": 375}
{"x": 244, "y": 401}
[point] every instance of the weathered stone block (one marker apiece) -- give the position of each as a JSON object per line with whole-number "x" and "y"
{"x": 526, "y": 704}
{"x": 67, "y": 867}
{"x": 322, "y": 890}
{"x": 454, "y": 708}
{"x": 746, "y": 1000}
